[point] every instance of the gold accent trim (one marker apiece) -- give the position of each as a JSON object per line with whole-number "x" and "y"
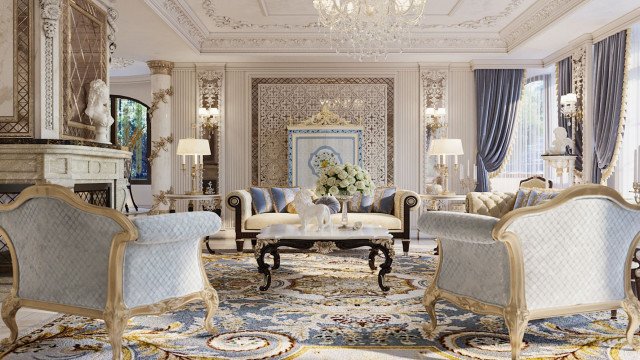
{"x": 515, "y": 313}
{"x": 158, "y": 96}
{"x": 623, "y": 112}
{"x": 160, "y": 67}
{"x": 115, "y": 314}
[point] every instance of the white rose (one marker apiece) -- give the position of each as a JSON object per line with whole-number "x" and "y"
{"x": 334, "y": 191}
{"x": 344, "y": 183}
{"x": 351, "y": 189}
{"x": 331, "y": 181}
{"x": 351, "y": 172}
{"x": 359, "y": 185}
{"x": 320, "y": 190}
{"x": 360, "y": 176}
{"x": 351, "y": 180}
{"x": 343, "y": 175}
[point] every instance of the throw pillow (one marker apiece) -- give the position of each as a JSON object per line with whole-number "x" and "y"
{"x": 331, "y": 202}
{"x": 539, "y": 196}
{"x": 383, "y": 200}
{"x": 282, "y": 197}
{"x": 522, "y": 197}
{"x": 291, "y": 208}
{"x": 360, "y": 203}
{"x": 261, "y": 200}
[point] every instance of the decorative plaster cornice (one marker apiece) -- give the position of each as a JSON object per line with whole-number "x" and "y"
{"x": 536, "y": 18}
{"x": 184, "y": 23}
{"x": 160, "y": 67}
{"x": 120, "y": 63}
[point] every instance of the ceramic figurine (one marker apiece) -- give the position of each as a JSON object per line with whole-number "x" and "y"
{"x": 560, "y": 142}
{"x": 98, "y": 110}
{"x": 308, "y": 211}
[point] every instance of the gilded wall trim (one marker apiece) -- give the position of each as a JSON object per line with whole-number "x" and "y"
{"x": 20, "y": 124}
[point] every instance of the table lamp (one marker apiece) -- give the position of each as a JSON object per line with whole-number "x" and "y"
{"x": 443, "y": 148}
{"x": 196, "y": 148}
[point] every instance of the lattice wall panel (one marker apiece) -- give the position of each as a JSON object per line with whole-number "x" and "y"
{"x": 277, "y": 101}
{"x": 21, "y": 123}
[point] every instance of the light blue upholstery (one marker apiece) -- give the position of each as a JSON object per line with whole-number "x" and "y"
{"x": 383, "y": 200}
{"x": 63, "y": 254}
{"x": 331, "y": 202}
{"x": 282, "y": 197}
{"x": 361, "y": 203}
{"x": 261, "y": 200}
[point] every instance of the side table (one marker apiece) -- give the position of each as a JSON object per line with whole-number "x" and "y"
{"x": 210, "y": 202}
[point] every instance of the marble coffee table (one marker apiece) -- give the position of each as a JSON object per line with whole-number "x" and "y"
{"x": 275, "y": 236}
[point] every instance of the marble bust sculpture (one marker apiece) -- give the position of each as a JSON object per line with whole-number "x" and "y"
{"x": 560, "y": 142}
{"x": 98, "y": 110}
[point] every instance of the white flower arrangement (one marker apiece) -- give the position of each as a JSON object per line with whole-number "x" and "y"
{"x": 344, "y": 179}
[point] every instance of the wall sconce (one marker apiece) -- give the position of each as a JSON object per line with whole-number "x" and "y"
{"x": 569, "y": 106}
{"x": 434, "y": 118}
{"x": 208, "y": 119}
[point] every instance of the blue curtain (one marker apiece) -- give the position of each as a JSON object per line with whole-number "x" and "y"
{"x": 497, "y": 95}
{"x": 608, "y": 63}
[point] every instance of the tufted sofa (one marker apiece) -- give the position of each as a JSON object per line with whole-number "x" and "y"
{"x": 494, "y": 204}
{"x": 568, "y": 255}
{"x": 248, "y": 225}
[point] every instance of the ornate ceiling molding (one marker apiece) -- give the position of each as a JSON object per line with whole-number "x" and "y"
{"x": 118, "y": 63}
{"x": 244, "y": 36}
{"x": 536, "y": 18}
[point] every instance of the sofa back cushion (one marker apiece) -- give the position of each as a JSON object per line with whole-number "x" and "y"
{"x": 331, "y": 202}
{"x": 383, "y": 200}
{"x": 261, "y": 200}
{"x": 533, "y": 197}
{"x": 282, "y": 197}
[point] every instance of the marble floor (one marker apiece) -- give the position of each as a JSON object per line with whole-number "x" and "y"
{"x": 29, "y": 319}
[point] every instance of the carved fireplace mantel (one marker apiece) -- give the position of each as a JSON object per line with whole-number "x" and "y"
{"x": 64, "y": 164}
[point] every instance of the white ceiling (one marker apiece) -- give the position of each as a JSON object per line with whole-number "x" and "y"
{"x": 277, "y": 30}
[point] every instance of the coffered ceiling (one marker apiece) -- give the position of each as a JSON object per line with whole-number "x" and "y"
{"x": 253, "y": 30}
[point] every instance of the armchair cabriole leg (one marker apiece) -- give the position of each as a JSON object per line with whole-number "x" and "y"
{"x": 632, "y": 307}
{"x": 516, "y": 321}
{"x": 116, "y": 322}
{"x": 210, "y": 297}
{"x": 10, "y": 307}
{"x": 429, "y": 301}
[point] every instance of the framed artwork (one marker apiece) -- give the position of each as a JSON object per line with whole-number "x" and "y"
{"x": 132, "y": 129}
{"x": 313, "y": 148}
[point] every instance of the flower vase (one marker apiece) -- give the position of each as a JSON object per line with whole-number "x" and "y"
{"x": 344, "y": 220}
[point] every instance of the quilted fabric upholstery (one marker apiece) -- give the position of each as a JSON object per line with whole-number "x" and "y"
{"x": 576, "y": 252}
{"x": 495, "y": 204}
{"x": 62, "y": 252}
{"x": 473, "y": 264}
{"x": 176, "y": 227}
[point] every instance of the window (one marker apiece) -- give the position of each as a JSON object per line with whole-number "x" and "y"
{"x": 624, "y": 171}
{"x": 531, "y": 134}
{"x": 132, "y": 129}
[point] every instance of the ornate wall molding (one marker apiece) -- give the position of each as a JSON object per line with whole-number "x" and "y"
{"x": 533, "y": 20}
{"x": 434, "y": 93}
{"x": 120, "y": 63}
{"x": 210, "y": 88}
{"x": 19, "y": 123}
{"x": 279, "y": 102}
{"x": 159, "y": 96}
{"x": 50, "y": 13}
{"x": 179, "y": 19}
{"x": 579, "y": 73}
{"x": 112, "y": 17}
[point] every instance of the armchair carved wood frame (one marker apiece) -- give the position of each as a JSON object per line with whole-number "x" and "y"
{"x": 113, "y": 309}
{"x": 517, "y": 306}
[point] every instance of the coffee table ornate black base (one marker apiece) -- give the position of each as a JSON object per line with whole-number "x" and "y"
{"x": 266, "y": 245}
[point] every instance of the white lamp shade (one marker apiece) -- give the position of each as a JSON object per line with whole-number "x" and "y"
{"x": 446, "y": 147}
{"x": 193, "y": 147}
{"x": 203, "y": 112}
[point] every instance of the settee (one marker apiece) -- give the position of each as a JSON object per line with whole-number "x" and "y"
{"x": 248, "y": 224}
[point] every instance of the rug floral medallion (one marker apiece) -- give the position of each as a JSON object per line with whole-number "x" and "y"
{"x": 325, "y": 307}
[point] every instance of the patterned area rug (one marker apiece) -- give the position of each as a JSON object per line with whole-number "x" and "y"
{"x": 325, "y": 307}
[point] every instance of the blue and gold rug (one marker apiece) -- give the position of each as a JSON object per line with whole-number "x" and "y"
{"x": 325, "y": 307}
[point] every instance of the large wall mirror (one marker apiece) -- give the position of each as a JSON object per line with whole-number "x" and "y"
{"x": 209, "y": 121}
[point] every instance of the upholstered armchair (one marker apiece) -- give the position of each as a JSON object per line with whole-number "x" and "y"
{"x": 569, "y": 255}
{"x": 72, "y": 257}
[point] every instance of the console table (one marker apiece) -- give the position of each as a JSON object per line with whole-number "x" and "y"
{"x": 275, "y": 236}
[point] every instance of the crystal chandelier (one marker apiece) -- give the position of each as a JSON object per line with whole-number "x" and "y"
{"x": 369, "y": 28}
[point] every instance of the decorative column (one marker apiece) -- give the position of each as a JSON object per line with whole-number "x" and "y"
{"x": 48, "y": 126}
{"x": 433, "y": 94}
{"x": 161, "y": 137}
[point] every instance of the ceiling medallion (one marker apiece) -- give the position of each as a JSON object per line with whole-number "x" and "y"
{"x": 369, "y": 28}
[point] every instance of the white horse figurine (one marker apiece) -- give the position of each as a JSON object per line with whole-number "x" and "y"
{"x": 308, "y": 211}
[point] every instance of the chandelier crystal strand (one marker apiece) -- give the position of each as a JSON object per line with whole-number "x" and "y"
{"x": 369, "y": 28}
